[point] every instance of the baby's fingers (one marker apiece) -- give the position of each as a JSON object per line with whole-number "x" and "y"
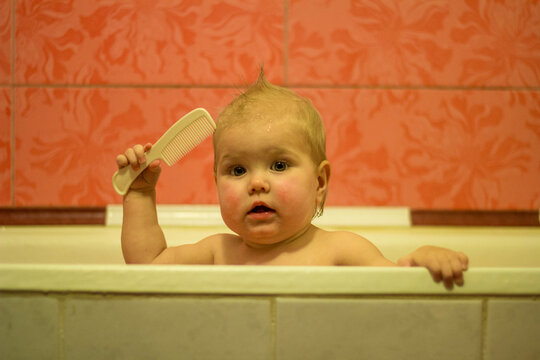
{"x": 441, "y": 270}
{"x": 139, "y": 154}
{"x": 435, "y": 269}
{"x": 457, "y": 271}
{"x": 121, "y": 161}
{"x": 451, "y": 271}
{"x": 464, "y": 260}
{"x": 133, "y": 156}
{"x": 447, "y": 274}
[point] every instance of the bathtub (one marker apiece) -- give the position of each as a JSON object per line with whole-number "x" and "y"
{"x": 66, "y": 294}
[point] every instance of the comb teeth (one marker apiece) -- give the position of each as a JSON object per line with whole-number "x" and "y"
{"x": 191, "y": 136}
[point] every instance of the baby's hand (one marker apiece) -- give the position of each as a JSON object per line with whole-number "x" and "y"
{"x": 443, "y": 264}
{"x": 135, "y": 157}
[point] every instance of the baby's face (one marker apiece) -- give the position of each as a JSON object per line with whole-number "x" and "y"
{"x": 266, "y": 180}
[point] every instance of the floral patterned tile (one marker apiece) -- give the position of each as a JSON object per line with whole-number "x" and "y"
{"x": 424, "y": 149}
{"x": 5, "y": 146}
{"x": 426, "y": 43}
{"x": 68, "y": 140}
{"x": 432, "y": 149}
{"x": 151, "y": 42}
{"x": 5, "y": 41}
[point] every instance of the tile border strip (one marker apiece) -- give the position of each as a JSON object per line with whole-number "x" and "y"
{"x": 475, "y": 217}
{"x": 208, "y": 215}
{"x": 52, "y": 215}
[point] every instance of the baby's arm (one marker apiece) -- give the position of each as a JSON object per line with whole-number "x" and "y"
{"x": 142, "y": 237}
{"x": 443, "y": 264}
{"x": 143, "y": 241}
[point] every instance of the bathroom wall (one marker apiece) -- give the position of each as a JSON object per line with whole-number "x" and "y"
{"x": 431, "y": 104}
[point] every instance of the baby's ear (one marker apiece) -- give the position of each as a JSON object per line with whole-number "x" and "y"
{"x": 323, "y": 178}
{"x": 215, "y": 172}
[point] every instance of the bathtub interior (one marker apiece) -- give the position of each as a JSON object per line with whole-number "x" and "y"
{"x": 485, "y": 246}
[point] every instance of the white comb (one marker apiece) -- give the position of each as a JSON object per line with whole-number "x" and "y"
{"x": 180, "y": 139}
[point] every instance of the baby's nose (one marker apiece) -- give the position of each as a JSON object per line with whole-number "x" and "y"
{"x": 258, "y": 184}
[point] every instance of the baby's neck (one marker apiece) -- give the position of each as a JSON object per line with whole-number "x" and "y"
{"x": 299, "y": 238}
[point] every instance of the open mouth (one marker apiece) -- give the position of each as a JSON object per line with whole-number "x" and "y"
{"x": 260, "y": 208}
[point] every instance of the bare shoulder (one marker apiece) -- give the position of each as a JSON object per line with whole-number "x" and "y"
{"x": 202, "y": 252}
{"x": 217, "y": 242}
{"x": 353, "y": 249}
{"x": 218, "y": 239}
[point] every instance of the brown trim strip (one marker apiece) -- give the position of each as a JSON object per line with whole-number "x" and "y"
{"x": 475, "y": 217}
{"x": 52, "y": 215}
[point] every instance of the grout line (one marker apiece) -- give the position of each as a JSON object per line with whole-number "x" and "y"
{"x": 12, "y": 147}
{"x": 61, "y": 322}
{"x": 13, "y": 28}
{"x": 298, "y": 86}
{"x": 130, "y": 86}
{"x": 12, "y": 132}
{"x": 285, "y": 42}
{"x": 483, "y": 335}
{"x": 415, "y": 87}
{"x": 273, "y": 326}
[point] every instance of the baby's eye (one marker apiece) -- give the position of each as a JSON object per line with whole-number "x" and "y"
{"x": 238, "y": 171}
{"x": 279, "y": 166}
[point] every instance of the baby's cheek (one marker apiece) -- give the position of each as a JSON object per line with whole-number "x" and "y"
{"x": 297, "y": 194}
{"x": 229, "y": 198}
{"x": 291, "y": 194}
{"x": 283, "y": 192}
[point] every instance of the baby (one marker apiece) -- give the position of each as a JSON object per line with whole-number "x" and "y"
{"x": 272, "y": 176}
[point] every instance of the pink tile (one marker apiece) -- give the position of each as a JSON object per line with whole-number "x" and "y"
{"x": 432, "y": 149}
{"x": 497, "y": 43}
{"x": 5, "y": 146}
{"x": 68, "y": 140}
{"x": 151, "y": 42}
{"x": 424, "y": 149}
{"x": 397, "y": 42}
{"x": 5, "y": 41}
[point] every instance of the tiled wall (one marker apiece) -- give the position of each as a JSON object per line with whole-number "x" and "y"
{"x": 176, "y": 327}
{"x": 427, "y": 104}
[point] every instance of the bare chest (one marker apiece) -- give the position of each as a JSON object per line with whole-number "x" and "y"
{"x": 308, "y": 255}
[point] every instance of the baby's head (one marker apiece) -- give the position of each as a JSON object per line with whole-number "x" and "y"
{"x": 270, "y": 164}
{"x": 268, "y": 106}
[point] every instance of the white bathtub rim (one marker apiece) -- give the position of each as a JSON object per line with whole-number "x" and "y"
{"x": 259, "y": 280}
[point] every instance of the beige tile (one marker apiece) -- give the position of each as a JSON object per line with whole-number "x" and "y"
{"x": 513, "y": 330}
{"x": 28, "y": 327}
{"x": 378, "y": 329}
{"x": 167, "y": 328}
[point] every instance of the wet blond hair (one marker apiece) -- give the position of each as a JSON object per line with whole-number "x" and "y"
{"x": 282, "y": 103}
{"x": 265, "y": 97}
